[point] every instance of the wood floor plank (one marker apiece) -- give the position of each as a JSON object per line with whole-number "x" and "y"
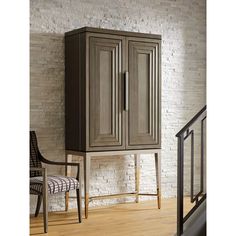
{"x": 131, "y": 219}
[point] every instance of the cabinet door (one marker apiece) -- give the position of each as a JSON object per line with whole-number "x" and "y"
{"x": 143, "y": 119}
{"x": 105, "y": 104}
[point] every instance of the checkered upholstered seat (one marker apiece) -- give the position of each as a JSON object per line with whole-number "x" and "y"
{"x": 56, "y": 184}
{"x": 42, "y": 184}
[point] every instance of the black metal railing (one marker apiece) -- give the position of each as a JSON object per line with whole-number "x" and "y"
{"x": 186, "y": 132}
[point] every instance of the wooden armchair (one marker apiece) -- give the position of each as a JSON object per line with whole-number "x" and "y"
{"x": 42, "y": 184}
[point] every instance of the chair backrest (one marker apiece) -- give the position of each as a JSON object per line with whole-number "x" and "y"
{"x": 34, "y": 155}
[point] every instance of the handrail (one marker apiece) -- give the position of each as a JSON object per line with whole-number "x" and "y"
{"x": 192, "y": 121}
{"x": 181, "y": 219}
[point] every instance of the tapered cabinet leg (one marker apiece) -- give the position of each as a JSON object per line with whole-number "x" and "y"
{"x": 87, "y": 160}
{"x": 68, "y": 173}
{"x": 158, "y": 178}
{"x": 137, "y": 175}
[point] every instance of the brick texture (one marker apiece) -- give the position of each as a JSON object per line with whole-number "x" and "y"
{"x": 182, "y": 24}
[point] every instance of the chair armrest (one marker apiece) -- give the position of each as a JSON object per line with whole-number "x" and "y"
{"x": 43, "y": 169}
{"x": 58, "y": 162}
{"x": 62, "y": 163}
{"x": 78, "y": 176}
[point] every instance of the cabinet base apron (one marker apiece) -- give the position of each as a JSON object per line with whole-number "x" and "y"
{"x": 87, "y": 157}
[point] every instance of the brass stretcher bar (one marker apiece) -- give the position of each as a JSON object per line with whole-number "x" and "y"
{"x": 87, "y": 156}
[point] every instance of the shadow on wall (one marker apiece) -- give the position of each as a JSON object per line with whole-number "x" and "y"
{"x": 193, "y": 93}
{"x": 47, "y": 93}
{"x": 47, "y": 102}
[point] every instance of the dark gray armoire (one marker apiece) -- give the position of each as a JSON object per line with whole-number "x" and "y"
{"x": 112, "y": 93}
{"x": 112, "y": 90}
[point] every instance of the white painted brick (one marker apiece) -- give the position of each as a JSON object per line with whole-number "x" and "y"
{"x": 182, "y": 26}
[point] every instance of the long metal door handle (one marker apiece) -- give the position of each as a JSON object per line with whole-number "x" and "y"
{"x": 126, "y": 91}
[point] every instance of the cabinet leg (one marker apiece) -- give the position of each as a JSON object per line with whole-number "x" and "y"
{"x": 137, "y": 175}
{"x": 86, "y": 182}
{"x": 68, "y": 173}
{"x": 158, "y": 178}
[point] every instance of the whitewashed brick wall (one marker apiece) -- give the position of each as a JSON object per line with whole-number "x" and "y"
{"x": 182, "y": 24}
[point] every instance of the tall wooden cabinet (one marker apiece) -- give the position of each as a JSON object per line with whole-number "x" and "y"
{"x": 112, "y": 99}
{"x": 112, "y": 90}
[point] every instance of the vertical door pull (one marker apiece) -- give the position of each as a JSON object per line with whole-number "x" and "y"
{"x": 126, "y": 91}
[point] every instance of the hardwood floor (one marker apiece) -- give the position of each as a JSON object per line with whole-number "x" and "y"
{"x": 122, "y": 219}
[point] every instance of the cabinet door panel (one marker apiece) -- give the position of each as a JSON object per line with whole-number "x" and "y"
{"x": 105, "y": 124}
{"x": 144, "y": 98}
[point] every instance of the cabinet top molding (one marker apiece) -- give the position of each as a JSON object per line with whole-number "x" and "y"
{"x": 115, "y": 32}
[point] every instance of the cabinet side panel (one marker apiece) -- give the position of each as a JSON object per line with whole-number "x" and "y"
{"x": 72, "y": 95}
{"x": 82, "y": 92}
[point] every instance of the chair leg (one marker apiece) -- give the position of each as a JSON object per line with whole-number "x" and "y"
{"x": 38, "y": 205}
{"x": 66, "y": 200}
{"x": 79, "y": 203}
{"x": 45, "y": 202}
{"x": 45, "y": 213}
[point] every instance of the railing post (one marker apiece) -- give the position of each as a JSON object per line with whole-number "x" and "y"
{"x": 180, "y": 184}
{"x": 180, "y": 170}
{"x": 202, "y": 154}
